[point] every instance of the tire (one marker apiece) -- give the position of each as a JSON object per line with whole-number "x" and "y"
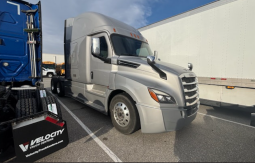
{"x": 26, "y": 107}
{"x": 50, "y": 100}
{"x": 53, "y": 86}
{"x": 49, "y": 75}
{"x": 2, "y": 90}
{"x": 123, "y": 104}
{"x": 24, "y": 94}
{"x": 60, "y": 89}
{"x": 38, "y": 98}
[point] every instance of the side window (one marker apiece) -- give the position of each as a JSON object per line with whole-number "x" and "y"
{"x": 103, "y": 48}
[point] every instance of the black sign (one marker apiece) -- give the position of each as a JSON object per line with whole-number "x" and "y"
{"x": 39, "y": 139}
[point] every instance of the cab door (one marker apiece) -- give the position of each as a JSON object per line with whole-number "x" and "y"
{"x": 100, "y": 67}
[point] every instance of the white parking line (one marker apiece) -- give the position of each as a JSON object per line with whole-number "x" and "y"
{"x": 91, "y": 134}
{"x": 226, "y": 120}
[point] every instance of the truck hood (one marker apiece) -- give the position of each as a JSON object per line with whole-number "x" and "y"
{"x": 144, "y": 66}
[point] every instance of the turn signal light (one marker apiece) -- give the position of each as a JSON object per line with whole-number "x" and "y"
{"x": 153, "y": 95}
{"x": 230, "y": 87}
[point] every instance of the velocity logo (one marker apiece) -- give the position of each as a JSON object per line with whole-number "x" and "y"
{"x": 24, "y": 147}
{"x": 40, "y": 140}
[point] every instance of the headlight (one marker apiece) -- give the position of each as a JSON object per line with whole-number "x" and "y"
{"x": 161, "y": 97}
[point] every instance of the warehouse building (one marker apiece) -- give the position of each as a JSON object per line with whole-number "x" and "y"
{"x": 57, "y": 58}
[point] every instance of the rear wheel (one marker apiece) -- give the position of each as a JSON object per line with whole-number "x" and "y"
{"x": 53, "y": 86}
{"x": 60, "y": 89}
{"x": 49, "y": 100}
{"x": 2, "y": 90}
{"x": 124, "y": 114}
{"x": 26, "y": 93}
{"x": 26, "y": 107}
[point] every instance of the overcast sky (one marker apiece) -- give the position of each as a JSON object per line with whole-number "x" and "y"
{"x": 137, "y": 13}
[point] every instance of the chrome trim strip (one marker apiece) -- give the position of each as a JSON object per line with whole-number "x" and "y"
{"x": 188, "y": 104}
{"x": 185, "y": 90}
{"x": 187, "y": 97}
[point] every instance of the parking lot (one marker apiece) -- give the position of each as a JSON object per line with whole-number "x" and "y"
{"x": 215, "y": 135}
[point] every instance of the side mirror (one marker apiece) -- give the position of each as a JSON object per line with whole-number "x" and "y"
{"x": 190, "y": 66}
{"x": 95, "y": 46}
{"x": 150, "y": 60}
{"x": 156, "y": 55}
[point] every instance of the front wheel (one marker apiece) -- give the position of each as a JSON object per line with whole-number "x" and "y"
{"x": 124, "y": 115}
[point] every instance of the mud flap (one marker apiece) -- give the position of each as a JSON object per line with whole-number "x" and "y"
{"x": 39, "y": 137}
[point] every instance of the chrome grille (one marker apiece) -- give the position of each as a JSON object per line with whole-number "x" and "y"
{"x": 189, "y": 82}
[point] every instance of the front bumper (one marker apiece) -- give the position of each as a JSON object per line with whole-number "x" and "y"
{"x": 157, "y": 120}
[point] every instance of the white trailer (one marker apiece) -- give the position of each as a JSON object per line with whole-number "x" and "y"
{"x": 219, "y": 40}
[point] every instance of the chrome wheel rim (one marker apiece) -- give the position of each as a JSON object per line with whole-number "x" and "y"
{"x": 121, "y": 114}
{"x": 58, "y": 89}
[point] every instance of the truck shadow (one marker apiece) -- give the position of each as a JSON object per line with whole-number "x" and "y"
{"x": 209, "y": 139}
{"x": 94, "y": 121}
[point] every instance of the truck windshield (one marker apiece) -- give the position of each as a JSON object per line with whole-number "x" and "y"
{"x": 125, "y": 46}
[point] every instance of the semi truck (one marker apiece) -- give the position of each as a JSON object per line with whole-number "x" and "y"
{"x": 218, "y": 39}
{"x": 31, "y": 122}
{"x": 49, "y": 68}
{"x": 60, "y": 69}
{"x": 110, "y": 67}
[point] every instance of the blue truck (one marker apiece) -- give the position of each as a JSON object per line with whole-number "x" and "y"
{"x": 30, "y": 117}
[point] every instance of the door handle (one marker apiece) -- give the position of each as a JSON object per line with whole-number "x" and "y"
{"x": 91, "y": 74}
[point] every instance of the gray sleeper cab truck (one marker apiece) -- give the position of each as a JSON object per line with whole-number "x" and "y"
{"x": 110, "y": 67}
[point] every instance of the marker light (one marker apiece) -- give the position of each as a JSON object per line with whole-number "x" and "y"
{"x": 114, "y": 29}
{"x": 230, "y": 87}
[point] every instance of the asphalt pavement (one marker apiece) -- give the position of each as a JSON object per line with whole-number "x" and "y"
{"x": 217, "y": 134}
